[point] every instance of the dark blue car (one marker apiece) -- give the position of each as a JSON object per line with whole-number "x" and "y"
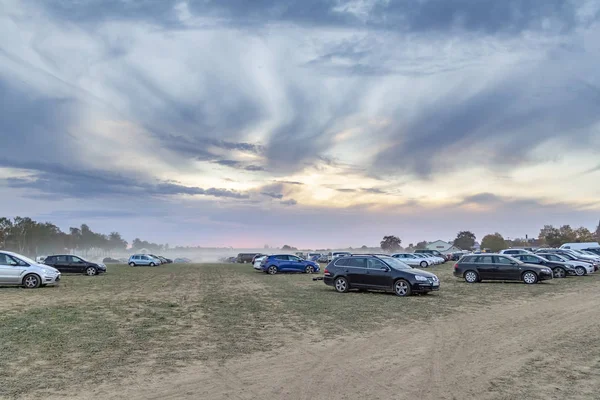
{"x": 276, "y": 263}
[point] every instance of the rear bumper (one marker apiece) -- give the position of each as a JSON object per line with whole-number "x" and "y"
{"x": 328, "y": 280}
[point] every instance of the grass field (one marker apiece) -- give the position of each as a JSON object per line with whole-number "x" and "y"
{"x": 155, "y": 320}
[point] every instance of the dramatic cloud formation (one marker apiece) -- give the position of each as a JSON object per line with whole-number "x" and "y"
{"x": 292, "y": 118}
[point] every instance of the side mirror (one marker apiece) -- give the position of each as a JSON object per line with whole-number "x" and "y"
{"x": 514, "y": 263}
{"x": 386, "y": 269}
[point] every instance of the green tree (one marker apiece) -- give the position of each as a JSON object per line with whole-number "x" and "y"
{"x": 422, "y": 245}
{"x": 493, "y": 242}
{"x": 583, "y": 235}
{"x": 598, "y": 232}
{"x": 288, "y": 248}
{"x": 550, "y": 236}
{"x": 391, "y": 243}
{"x": 465, "y": 240}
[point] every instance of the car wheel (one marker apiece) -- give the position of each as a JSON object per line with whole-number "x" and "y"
{"x": 402, "y": 288}
{"x": 309, "y": 269}
{"x": 559, "y": 272}
{"x": 272, "y": 270}
{"x": 530, "y": 277}
{"x": 580, "y": 271}
{"x": 132, "y": 264}
{"x": 341, "y": 285}
{"x": 31, "y": 281}
{"x": 91, "y": 271}
{"x": 471, "y": 276}
{"x": 152, "y": 264}
{"x": 424, "y": 264}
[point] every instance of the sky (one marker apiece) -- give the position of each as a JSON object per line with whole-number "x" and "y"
{"x": 316, "y": 124}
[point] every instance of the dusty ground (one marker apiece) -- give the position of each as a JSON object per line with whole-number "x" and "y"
{"x": 520, "y": 347}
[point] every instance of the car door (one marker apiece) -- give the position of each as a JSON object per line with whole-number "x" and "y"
{"x": 76, "y": 264}
{"x": 296, "y": 264}
{"x": 61, "y": 263}
{"x": 11, "y": 270}
{"x": 283, "y": 262}
{"x": 486, "y": 267}
{"x": 379, "y": 275}
{"x": 354, "y": 269}
{"x": 506, "y": 268}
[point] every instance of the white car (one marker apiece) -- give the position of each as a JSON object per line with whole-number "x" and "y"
{"x": 257, "y": 262}
{"x": 19, "y": 270}
{"x": 413, "y": 260}
{"x": 434, "y": 259}
{"x": 512, "y": 252}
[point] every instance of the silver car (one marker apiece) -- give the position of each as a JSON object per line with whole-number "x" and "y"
{"x": 19, "y": 270}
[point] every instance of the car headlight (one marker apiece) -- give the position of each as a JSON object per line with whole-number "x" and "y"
{"x": 420, "y": 278}
{"x": 548, "y": 270}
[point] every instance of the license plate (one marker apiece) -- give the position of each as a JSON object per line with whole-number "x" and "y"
{"x": 436, "y": 284}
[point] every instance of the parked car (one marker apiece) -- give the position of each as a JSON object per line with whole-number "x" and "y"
{"x": 475, "y": 268}
{"x": 143, "y": 260}
{"x": 165, "y": 260}
{"x": 67, "y": 263}
{"x": 323, "y": 258}
{"x": 274, "y": 264}
{"x": 18, "y": 270}
{"x": 560, "y": 269}
{"x": 413, "y": 260}
{"x": 257, "y": 264}
{"x": 571, "y": 255}
{"x": 157, "y": 258}
{"x": 256, "y": 256}
{"x": 187, "y": 260}
{"x": 40, "y": 259}
{"x": 109, "y": 260}
{"x": 378, "y": 273}
{"x": 432, "y": 252}
{"x": 244, "y": 258}
{"x": 336, "y": 254}
{"x": 581, "y": 267}
{"x": 595, "y": 250}
{"x": 436, "y": 260}
{"x": 580, "y": 246}
{"x": 513, "y": 252}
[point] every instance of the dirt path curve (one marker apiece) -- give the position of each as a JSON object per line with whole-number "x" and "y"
{"x": 472, "y": 355}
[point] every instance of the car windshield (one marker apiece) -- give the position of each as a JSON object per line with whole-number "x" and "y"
{"x": 395, "y": 263}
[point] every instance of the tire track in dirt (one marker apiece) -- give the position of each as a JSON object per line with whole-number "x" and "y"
{"x": 453, "y": 357}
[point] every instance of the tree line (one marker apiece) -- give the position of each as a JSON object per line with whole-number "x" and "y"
{"x": 549, "y": 236}
{"x": 27, "y": 236}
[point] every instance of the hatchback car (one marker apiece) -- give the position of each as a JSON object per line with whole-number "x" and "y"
{"x": 67, "y": 263}
{"x": 19, "y": 270}
{"x": 378, "y": 273}
{"x": 143, "y": 259}
{"x": 274, "y": 264}
{"x": 581, "y": 267}
{"x": 475, "y": 268}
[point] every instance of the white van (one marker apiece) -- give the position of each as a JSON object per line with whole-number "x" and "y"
{"x": 580, "y": 246}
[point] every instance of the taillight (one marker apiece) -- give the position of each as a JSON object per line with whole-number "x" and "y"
{"x": 456, "y": 266}
{"x": 326, "y": 272}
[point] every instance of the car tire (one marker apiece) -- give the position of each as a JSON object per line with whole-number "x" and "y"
{"x": 529, "y": 277}
{"x": 559, "y": 273}
{"x": 272, "y": 270}
{"x": 402, "y": 288}
{"x": 132, "y": 264}
{"x": 152, "y": 264}
{"x": 471, "y": 276}
{"x": 91, "y": 271}
{"x": 309, "y": 269}
{"x": 580, "y": 271}
{"x": 341, "y": 285}
{"x": 31, "y": 281}
{"x": 424, "y": 264}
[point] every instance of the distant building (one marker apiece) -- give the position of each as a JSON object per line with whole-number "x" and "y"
{"x": 442, "y": 247}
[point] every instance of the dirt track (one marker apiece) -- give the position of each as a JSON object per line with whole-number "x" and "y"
{"x": 541, "y": 349}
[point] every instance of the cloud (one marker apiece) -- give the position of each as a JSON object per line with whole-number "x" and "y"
{"x": 273, "y": 195}
{"x": 346, "y": 190}
{"x": 373, "y": 190}
{"x": 62, "y": 181}
{"x": 290, "y": 202}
